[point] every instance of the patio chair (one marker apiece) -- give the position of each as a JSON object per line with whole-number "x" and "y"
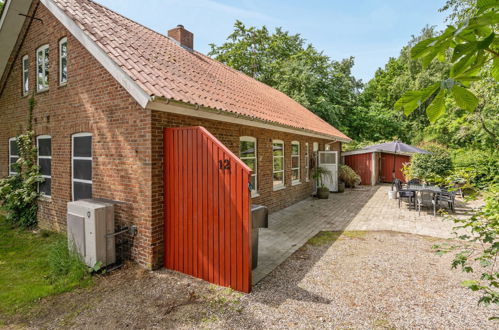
{"x": 410, "y": 195}
{"x": 448, "y": 197}
{"x": 414, "y": 181}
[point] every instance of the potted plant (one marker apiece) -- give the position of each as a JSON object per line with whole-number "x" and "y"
{"x": 320, "y": 173}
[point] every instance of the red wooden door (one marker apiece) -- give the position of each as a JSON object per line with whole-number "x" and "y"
{"x": 207, "y": 229}
{"x": 361, "y": 164}
{"x": 387, "y": 164}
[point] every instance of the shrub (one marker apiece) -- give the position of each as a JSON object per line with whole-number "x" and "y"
{"x": 66, "y": 268}
{"x": 429, "y": 167}
{"x": 19, "y": 192}
{"x": 483, "y": 165}
{"x": 348, "y": 175}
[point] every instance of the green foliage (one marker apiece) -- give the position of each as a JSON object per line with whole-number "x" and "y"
{"x": 66, "y": 267}
{"x": 18, "y": 192}
{"x": 482, "y": 167}
{"x": 471, "y": 46}
{"x": 25, "y": 271}
{"x": 479, "y": 248}
{"x": 320, "y": 174}
{"x": 430, "y": 167}
{"x": 348, "y": 175}
{"x": 287, "y": 63}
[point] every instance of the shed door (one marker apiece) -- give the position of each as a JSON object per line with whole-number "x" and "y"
{"x": 389, "y": 162}
{"x": 329, "y": 161}
{"x": 207, "y": 209}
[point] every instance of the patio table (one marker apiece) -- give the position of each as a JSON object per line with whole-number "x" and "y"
{"x": 428, "y": 189}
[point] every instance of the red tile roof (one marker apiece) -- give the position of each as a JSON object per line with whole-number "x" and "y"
{"x": 161, "y": 67}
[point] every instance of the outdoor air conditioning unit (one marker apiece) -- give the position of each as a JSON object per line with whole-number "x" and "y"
{"x": 90, "y": 229}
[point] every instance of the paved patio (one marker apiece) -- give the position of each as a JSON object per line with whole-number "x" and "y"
{"x": 365, "y": 208}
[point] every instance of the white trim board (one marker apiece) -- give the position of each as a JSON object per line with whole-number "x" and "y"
{"x": 359, "y": 152}
{"x": 208, "y": 113}
{"x": 112, "y": 67}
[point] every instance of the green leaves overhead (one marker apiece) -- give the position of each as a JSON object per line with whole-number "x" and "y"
{"x": 464, "y": 98}
{"x": 437, "y": 108}
{"x": 473, "y": 48}
{"x": 411, "y": 100}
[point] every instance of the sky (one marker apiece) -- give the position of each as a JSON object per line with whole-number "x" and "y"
{"x": 372, "y": 31}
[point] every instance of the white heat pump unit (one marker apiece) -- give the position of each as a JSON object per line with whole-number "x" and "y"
{"x": 90, "y": 223}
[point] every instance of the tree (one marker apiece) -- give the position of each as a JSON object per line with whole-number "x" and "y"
{"x": 285, "y": 62}
{"x": 471, "y": 47}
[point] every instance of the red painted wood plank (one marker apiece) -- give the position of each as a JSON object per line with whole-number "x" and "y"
{"x": 221, "y": 203}
{"x": 246, "y": 219}
{"x": 216, "y": 218}
{"x": 205, "y": 210}
{"x": 178, "y": 229}
{"x": 227, "y": 216}
{"x": 239, "y": 229}
{"x": 195, "y": 207}
{"x": 233, "y": 230}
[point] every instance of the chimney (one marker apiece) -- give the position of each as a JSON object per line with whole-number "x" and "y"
{"x": 184, "y": 37}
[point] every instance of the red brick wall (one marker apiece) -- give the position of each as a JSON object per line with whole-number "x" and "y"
{"x": 127, "y": 140}
{"x": 92, "y": 101}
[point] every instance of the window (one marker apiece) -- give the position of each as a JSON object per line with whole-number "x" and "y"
{"x": 295, "y": 162}
{"x": 42, "y": 68}
{"x": 248, "y": 154}
{"x": 13, "y": 155}
{"x": 81, "y": 166}
{"x": 25, "y": 75}
{"x": 44, "y": 145}
{"x": 63, "y": 61}
{"x": 307, "y": 163}
{"x": 278, "y": 161}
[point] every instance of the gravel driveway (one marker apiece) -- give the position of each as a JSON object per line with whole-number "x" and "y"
{"x": 356, "y": 280}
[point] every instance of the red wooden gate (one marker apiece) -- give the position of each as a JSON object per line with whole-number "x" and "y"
{"x": 207, "y": 209}
{"x": 361, "y": 164}
{"x": 387, "y": 163}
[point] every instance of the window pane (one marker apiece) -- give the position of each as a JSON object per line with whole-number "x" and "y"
{"x": 295, "y": 162}
{"x": 45, "y": 166}
{"x": 12, "y": 164}
{"x": 82, "y": 146}
{"x": 295, "y": 174}
{"x": 14, "y": 151}
{"x": 277, "y": 178}
{"x": 295, "y": 149}
{"x": 82, "y": 190}
{"x": 44, "y": 147}
{"x": 64, "y": 49}
{"x": 247, "y": 149}
{"x": 328, "y": 158}
{"x": 278, "y": 163}
{"x": 82, "y": 169}
{"x": 277, "y": 148}
{"x": 253, "y": 182}
{"x": 45, "y": 187}
{"x": 64, "y": 70}
{"x": 250, "y": 163}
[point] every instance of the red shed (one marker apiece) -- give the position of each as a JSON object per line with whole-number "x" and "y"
{"x": 378, "y": 163}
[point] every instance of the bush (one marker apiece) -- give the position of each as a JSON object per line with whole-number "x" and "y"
{"x": 348, "y": 175}
{"x": 430, "y": 167}
{"x": 19, "y": 192}
{"x": 66, "y": 267}
{"x": 483, "y": 165}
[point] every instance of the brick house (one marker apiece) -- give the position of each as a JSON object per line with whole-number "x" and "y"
{"x": 106, "y": 87}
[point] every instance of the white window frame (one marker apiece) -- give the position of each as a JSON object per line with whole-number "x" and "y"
{"x": 295, "y": 181}
{"x": 10, "y": 155}
{"x": 307, "y": 162}
{"x": 38, "y": 138}
{"x": 41, "y": 48}
{"x": 254, "y": 191}
{"x": 73, "y": 180}
{"x": 282, "y": 184}
{"x": 25, "y": 77}
{"x": 62, "y": 41}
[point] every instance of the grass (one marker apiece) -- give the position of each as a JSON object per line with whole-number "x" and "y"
{"x": 327, "y": 237}
{"x": 33, "y": 265}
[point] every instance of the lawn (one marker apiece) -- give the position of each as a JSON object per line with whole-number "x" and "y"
{"x": 33, "y": 265}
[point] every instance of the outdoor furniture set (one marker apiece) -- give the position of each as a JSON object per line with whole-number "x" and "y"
{"x": 416, "y": 194}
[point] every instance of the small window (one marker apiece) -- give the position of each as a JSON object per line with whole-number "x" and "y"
{"x": 81, "y": 166}
{"x": 278, "y": 164}
{"x": 44, "y": 145}
{"x": 307, "y": 163}
{"x": 63, "y": 61}
{"x": 248, "y": 154}
{"x": 13, "y": 155}
{"x": 25, "y": 75}
{"x": 295, "y": 162}
{"x": 42, "y": 68}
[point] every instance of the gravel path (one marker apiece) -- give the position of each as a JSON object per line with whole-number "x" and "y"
{"x": 359, "y": 280}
